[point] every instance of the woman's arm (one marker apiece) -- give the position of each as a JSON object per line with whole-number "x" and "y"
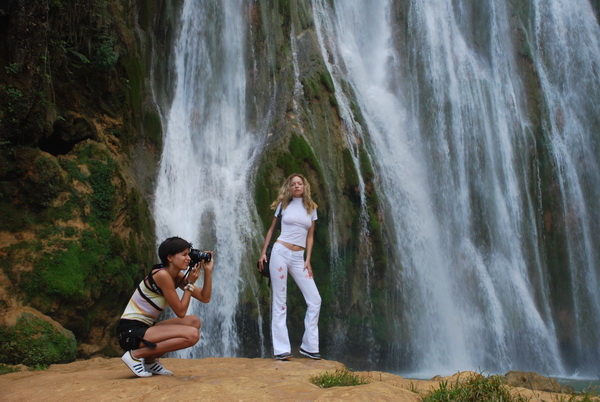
{"x": 166, "y": 284}
{"x": 263, "y": 253}
{"x": 310, "y": 240}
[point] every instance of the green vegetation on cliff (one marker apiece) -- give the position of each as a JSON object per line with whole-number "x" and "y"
{"x": 75, "y": 229}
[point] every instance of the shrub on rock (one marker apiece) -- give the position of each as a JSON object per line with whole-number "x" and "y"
{"x": 36, "y": 340}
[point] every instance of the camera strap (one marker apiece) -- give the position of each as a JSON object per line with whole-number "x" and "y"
{"x": 184, "y": 276}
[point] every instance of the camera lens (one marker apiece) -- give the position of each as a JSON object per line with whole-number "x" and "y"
{"x": 197, "y": 256}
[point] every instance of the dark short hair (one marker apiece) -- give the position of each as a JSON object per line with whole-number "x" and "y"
{"x": 172, "y": 246}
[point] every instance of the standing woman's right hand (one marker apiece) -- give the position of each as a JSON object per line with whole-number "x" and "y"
{"x": 261, "y": 261}
{"x": 263, "y": 255}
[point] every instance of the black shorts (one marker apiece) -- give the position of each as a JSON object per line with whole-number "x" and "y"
{"x": 131, "y": 333}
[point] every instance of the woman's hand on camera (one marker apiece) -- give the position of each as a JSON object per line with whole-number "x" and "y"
{"x": 194, "y": 273}
{"x": 208, "y": 266}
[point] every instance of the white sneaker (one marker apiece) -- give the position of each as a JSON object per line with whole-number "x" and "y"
{"x": 135, "y": 365}
{"x": 156, "y": 368}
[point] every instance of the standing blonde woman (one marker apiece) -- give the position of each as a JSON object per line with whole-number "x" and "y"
{"x": 291, "y": 255}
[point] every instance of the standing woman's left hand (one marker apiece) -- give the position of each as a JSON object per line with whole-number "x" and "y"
{"x": 308, "y": 267}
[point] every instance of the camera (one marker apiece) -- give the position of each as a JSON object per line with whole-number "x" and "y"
{"x": 197, "y": 256}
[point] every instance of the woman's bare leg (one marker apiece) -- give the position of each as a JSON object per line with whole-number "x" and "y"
{"x": 170, "y": 335}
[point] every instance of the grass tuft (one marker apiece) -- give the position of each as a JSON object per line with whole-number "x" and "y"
{"x": 476, "y": 388}
{"x": 339, "y": 378}
{"x": 587, "y": 395}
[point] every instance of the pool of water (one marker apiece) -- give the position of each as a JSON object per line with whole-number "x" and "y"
{"x": 581, "y": 385}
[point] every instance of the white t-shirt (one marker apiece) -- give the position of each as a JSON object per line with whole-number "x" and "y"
{"x": 295, "y": 222}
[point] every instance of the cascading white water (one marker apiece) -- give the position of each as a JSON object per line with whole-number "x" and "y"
{"x": 448, "y": 130}
{"x": 353, "y": 134}
{"x": 567, "y": 56}
{"x": 202, "y": 191}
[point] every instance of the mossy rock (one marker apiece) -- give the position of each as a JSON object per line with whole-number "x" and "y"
{"x": 41, "y": 177}
{"x": 36, "y": 339}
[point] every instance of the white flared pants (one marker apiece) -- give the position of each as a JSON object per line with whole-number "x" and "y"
{"x": 284, "y": 261}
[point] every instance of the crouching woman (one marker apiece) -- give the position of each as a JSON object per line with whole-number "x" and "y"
{"x": 145, "y": 340}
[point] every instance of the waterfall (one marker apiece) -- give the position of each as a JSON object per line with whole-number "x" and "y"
{"x": 203, "y": 192}
{"x": 353, "y": 136}
{"x": 566, "y": 51}
{"x": 447, "y": 126}
{"x": 488, "y": 182}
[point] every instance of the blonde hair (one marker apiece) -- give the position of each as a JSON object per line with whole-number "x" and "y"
{"x": 285, "y": 195}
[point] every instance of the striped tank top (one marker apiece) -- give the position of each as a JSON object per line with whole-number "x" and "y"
{"x": 146, "y": 303}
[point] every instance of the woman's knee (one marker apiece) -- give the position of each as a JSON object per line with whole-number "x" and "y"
{"x": 195, "y": 337}
{"x": 193, "y": 321}
{"x": 314, "y": 302}
{"x": 192, "y": 336}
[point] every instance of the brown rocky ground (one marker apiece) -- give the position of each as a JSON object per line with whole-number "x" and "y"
{"x": 216, "y": 379}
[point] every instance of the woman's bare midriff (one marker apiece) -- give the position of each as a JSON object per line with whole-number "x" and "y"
{"x": 291, "y": 246}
